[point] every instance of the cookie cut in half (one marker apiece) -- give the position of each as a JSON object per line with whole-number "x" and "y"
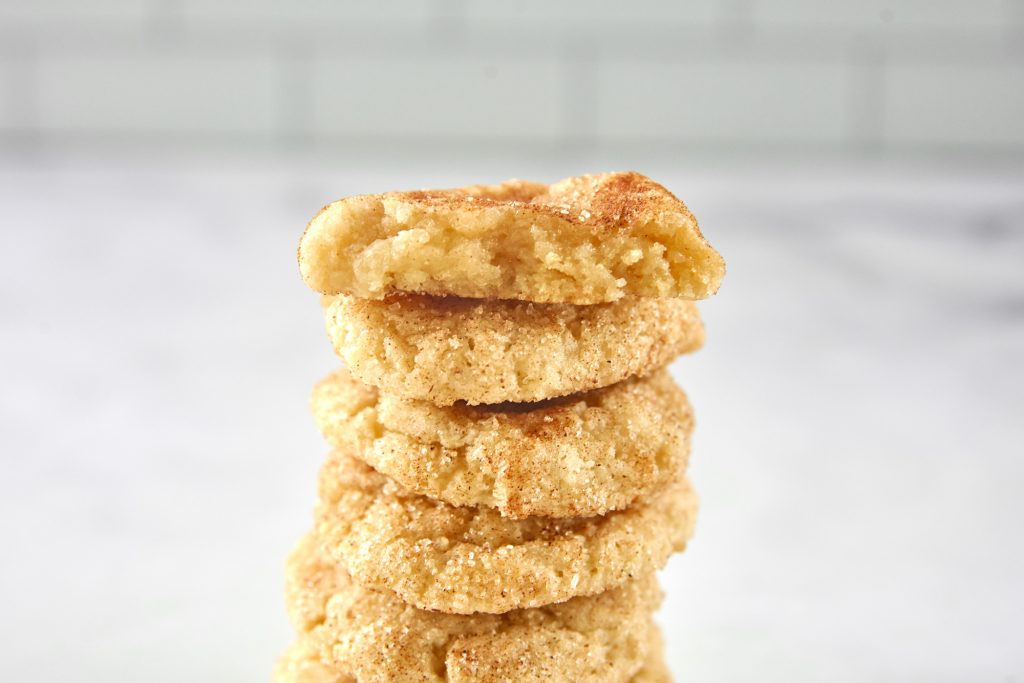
{"x": 583, "y": 240}
{"x": 445, "y": 350}
{"x": 464, "y": 560}
{"x": 370, "y": 636}
{"x": 578, "y": 456}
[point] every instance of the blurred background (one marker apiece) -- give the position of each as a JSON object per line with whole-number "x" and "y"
{"x": 859, "y": 402}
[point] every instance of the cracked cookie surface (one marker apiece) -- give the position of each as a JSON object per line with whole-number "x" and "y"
{"x": 583, "y": 240}
{"x": 471, "y": 559}
{"x": 445, "y": 350}
{"x": 362, "y": 634}
{"x": 578, "y": 456}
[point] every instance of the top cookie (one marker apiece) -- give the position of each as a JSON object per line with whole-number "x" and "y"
{"x": 583, "y": 240}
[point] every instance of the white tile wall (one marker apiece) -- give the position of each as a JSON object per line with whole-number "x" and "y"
{"x": 11, "y": 101}
{"x": 840, "y": 76}
{"x": 158, "y": 94}
{"x": 955, "y": 105}
{"x": 38, "y": 13}
{"x": 723, "y": 102}
{"x": 580, "y": 13}
{"x": 448, "y": 98}
{"x": 308, "y": 10}
{"x": 869, "y": 13}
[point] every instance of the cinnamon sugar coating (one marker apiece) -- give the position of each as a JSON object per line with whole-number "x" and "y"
{"x": 372, "y": 636}
{"x": 463, "y": 560}
{"x": 302, "y": 663}
{"x": 445, "y": 350}
{"x": 578, "y": 456}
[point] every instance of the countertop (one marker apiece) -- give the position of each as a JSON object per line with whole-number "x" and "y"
{"x": 859, "y": 418}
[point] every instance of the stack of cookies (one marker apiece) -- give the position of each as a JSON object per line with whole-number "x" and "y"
{"x": 509, "y": 452}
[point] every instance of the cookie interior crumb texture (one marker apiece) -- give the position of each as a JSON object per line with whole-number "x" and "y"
{"x": 577, "y": 456}
{"x": 445, "y": 350}
{"x": 583, "y": 240}
{"x": 471, "y": 559}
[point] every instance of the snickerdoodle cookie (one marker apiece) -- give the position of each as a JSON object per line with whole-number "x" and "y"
{"x": 471, "y": 559}
{"x": 370, "y": 635}
{"x": 655, "y": 670}
{"x": 583, "y": 240}
{"x": 302, "y": 663}
{"x": 581, "y": 455}
{"x": 445, "y": 350}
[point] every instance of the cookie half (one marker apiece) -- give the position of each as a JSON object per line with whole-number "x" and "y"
{"x": 369, "y": 635}
{"x": 445, "y": 350}
{"x": 581, "y": 455}
{"x": 583, "y": 240}
{"x": 463, "y": 560}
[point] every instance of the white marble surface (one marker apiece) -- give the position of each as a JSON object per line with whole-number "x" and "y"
{"x": 859, "y": 412}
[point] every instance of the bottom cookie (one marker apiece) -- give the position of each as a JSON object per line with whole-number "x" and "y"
{"x": 349, "y": 632}
{"x": 301, "y": 663}
{"x": 655, "y": 669}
